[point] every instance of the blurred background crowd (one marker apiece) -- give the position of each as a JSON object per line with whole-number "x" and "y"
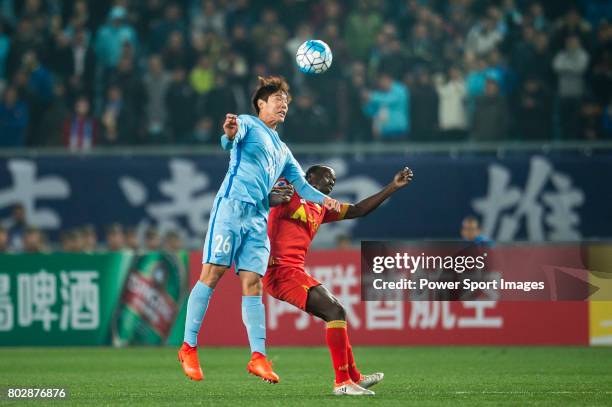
{"x": 19, "y": 236}
{"x": 85, "y": 73}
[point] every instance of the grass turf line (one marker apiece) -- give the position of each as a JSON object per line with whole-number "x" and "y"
{"x": 419, "y": 376}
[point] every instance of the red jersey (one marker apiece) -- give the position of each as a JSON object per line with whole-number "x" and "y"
{"x": 293, "y": 225}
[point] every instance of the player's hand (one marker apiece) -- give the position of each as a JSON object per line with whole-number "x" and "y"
{"x": 230, "y": 126}
{"x": 403, "y": 178}
{"x": 331, "y": 204}
{"x": 283, "y": 192}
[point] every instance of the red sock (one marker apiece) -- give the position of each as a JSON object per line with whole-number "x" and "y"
{"x": 353, "y": 371}
{"x": 335, "y": 336}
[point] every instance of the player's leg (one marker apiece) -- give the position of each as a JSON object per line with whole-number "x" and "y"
{"x": 252, "y": 261}
{"x": 197, "y": 304}
{"x": 322, "y": 303}
{"x": 219, "y": 249}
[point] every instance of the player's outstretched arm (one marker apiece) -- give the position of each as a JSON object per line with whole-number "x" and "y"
{"x": 362, "y": 208}
{"x": 294, "y": 174}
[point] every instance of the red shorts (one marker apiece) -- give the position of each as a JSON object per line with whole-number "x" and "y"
{"x": 289, "y": 284}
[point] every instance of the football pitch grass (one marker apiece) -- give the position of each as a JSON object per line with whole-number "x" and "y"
{"x": 418, "y": 376}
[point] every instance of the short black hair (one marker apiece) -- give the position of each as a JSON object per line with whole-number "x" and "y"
{"x": 314, "y": 169}
{"x": 268, "y": 86}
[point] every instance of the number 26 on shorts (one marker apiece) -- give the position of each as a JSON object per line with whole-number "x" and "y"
{"x": 222, "y": 245}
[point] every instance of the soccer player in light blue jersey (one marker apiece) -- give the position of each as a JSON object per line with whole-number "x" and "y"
{"x": 237, "y": 230}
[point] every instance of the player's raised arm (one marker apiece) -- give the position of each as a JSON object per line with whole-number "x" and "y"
{"x": 233, "y": 131}
{"x": 362, "y": 208}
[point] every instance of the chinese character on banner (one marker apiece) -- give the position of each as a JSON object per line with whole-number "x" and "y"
{"x": 429, "y": 314}
{"x": 36, "y": 295}
{"x": 342, "y": 281}
{"x": 479, "y": 320}
{"x": 385, "y": 314}
{"x": 187, "y": 200}
{"x": 505, "y": 207}
{"x": 27, "y": 189}
{"x": 6, "y": 305}
{"x": 81, "y": 300}
{"x": 276, "y": 308}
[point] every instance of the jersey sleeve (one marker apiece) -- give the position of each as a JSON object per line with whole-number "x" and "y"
{"x": 243, "y": 127}
{"x": 294, "y": 174}
{"x": 331, "y": 216}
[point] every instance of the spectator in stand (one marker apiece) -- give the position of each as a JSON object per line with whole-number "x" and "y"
{"x": 115, "y": 238}
{"x": 176, "y": 54}
{"x": 52, "y": 122}
{"x": 360, "y": 30}
{"x": 307, "y": 118}
{"x": 452, "y": 112}
{"x": 208, "y": 17}
{"x": 607, "y": 120}
{"x": 112, "y": 36}
{"x": 220, "y": 100}
{"x": 202, "y": 76}
{"x": 156, "y": 83}
{"x": 40, "y": 92}
{"x": 570, "y": 64}
{"x": 5, "y": 45}
{"x": 534, "y": 110}
{"x": 71, "y": 241}
{"x": 180, "y": 104}
{"x": 601, "y": 71}
{"x": 424, "y": 107}
{"x": 119, "y": 123}
{"x": 484, "y": 36}
{"x": 17, "y": 225}
{"x": 131, "y": 239}
{"x": 268, "y": 27}
{"x": 205, "y": 131}
{"x": 173, "y": 242}
{"x": 571, "y": 25}
{"x": 590, "y": 120}
{"x": 14, "y": 118}
{"x": 352, "y": 119}
{"x": 343, "y": 242}
{"x": 4, "y": 240}
{"x": 491, "y": 118}
{"x": 389, "y": 107}
{"x": 471, "y": 232}
{"x": 80, "y": 129}
{"x": 33, "y": 240}
{"x": 152, "y": 239}
{"x": 172, "y": 22}
{"x": 90, "y": 239}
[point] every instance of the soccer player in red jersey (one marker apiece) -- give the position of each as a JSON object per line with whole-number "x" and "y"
{"x": 292, "y": 224}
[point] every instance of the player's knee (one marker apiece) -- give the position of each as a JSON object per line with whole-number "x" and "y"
{"x": 251, "y": 283}
{"x": 211, "y": 274}
{"x": 336, "y": 312}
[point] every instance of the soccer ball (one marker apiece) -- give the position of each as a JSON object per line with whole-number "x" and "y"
{"x": 314, "y": 57}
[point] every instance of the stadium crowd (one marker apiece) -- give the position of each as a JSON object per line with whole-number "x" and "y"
{"x": 85, "y": 73}
{"x": 19, "y": 236}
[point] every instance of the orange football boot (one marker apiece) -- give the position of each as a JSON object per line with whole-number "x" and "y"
{"x": 262, "y": 367}
{"x": 188, "y": 356}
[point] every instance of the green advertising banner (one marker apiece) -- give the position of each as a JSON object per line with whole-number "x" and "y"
{"x": 91, "y": 299}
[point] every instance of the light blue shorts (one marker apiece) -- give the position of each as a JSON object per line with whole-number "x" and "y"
{"x": 237, "y": 233}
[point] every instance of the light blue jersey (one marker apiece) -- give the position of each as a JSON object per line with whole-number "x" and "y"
{"x": 258, "y": 159}
{"x": 238, "y": 228}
